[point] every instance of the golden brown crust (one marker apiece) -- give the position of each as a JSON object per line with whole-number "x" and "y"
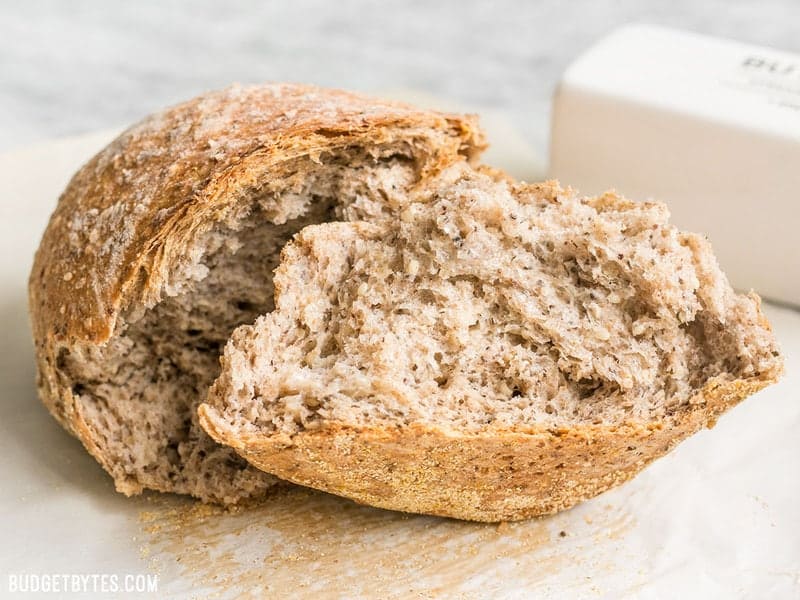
{"x": 132, "y": 212}
{"x": 491, "y": 476}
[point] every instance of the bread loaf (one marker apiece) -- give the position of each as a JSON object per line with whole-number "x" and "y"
{"x": 165, "y": 242}
{"x": 496, "y": 351}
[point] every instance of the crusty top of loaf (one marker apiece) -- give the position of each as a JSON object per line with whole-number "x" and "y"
{"x": 123, "y": 226}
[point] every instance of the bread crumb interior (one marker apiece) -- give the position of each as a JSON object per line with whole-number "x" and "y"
{"x": 139, "y": 393}
{"x": 486, "y": 304}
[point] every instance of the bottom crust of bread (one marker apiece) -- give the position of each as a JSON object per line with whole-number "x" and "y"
{"x": 492, "y": 476}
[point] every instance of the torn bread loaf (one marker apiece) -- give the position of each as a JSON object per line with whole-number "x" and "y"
{"x": 498, "y": 351}
{"x": 166, "y": 241}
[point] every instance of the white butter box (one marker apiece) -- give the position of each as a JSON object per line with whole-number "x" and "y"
{"x": 708, "y": 126}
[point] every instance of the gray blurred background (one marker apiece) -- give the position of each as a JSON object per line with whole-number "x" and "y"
{"x": 67, "y": 67}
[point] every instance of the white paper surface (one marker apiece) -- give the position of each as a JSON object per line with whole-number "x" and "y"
{"x": 717, "y": 518}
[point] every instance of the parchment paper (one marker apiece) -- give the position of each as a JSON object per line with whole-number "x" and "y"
{"x": 717, "y": 518}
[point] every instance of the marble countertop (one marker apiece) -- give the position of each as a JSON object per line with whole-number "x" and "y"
{"x": 71, "y": 67}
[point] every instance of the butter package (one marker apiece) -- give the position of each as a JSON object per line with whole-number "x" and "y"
{"x": 708, "y": 126}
